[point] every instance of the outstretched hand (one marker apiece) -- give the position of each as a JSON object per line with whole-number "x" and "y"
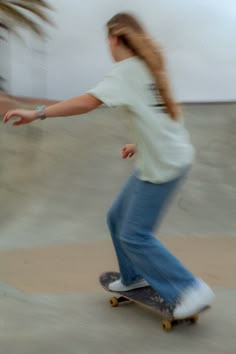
{"x": 128, "y": 151}
{"x": 25, "y": 116}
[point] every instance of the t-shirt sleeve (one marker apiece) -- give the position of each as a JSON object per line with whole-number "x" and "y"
{"x": 111, "y": 91}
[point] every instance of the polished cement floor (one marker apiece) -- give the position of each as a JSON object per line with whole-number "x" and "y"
{"x": 58, "y": 177}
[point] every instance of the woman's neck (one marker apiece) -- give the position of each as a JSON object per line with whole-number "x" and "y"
{"x": 123, "y": 53}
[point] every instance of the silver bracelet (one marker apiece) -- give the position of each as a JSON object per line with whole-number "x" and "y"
{"x": 41, "y": 113}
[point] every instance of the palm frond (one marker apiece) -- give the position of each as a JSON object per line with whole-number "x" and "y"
{"x": 32, "y": 8}
{"x": 9, "y": 26}
{"x": 21, "y": 19}
{"x": 4, "y": 26}
{"x": 41, "y": 3}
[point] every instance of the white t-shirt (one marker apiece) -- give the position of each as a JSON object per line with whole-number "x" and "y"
{"x": 163, "y": 145}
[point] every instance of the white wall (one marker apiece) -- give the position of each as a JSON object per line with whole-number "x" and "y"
{"x": 199, "y": 38}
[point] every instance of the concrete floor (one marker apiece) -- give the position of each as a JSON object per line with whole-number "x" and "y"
{"x": 58, "y": 177}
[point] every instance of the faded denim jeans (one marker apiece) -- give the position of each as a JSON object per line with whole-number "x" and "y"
{"x": 132, "y": 219}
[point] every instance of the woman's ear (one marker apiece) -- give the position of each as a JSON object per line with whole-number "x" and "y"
{"x": 118, "y": 41}
{"x": 115, "y": 40}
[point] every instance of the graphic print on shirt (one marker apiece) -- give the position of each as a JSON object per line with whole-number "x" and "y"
{"x": 157, "y": 101}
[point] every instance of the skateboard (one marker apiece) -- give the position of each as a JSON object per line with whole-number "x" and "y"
{"x": 146, "y": 297}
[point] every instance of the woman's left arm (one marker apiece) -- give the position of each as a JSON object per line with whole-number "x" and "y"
{"x": 74, "y": 106}
{"x": 77, "y": 105}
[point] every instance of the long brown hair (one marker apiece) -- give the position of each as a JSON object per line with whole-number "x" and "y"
{"x": 133, "y": 35}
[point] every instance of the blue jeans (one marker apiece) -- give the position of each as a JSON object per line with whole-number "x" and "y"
{"x": 131, "y": 220}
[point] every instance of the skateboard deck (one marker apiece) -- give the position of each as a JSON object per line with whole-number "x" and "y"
{"x": 146, "y": 297}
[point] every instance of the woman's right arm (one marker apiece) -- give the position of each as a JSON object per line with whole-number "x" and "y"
{"x": 128, "y": 150}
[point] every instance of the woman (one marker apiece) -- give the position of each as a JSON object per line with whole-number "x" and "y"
{"x": 164, "y": 155}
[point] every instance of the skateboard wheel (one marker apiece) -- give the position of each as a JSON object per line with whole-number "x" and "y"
{"x": 166, "y": 325}
{"x": 194, "y": 319}
{"x": 114, "y": 302}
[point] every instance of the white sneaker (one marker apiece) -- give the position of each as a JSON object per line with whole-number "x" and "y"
{"x": 194, "y": 300}
{"x": 117, "y": 285}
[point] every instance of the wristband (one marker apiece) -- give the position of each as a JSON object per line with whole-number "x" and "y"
{"x": 41, "y": 114}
